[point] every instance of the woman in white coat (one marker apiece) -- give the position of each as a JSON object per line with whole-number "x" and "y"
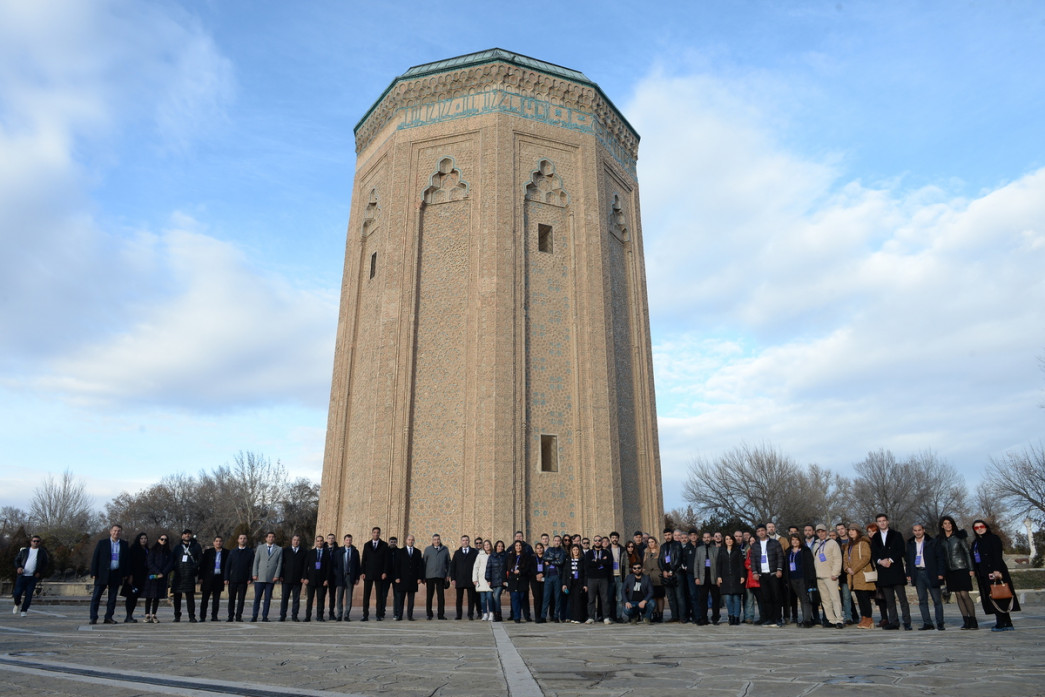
{"x": 482, "y": 586}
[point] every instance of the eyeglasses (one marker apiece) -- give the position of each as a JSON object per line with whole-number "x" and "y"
{"x": 163, "y": 539}
{"x": 979, "y": 527}
{"x": 34, "y": 542}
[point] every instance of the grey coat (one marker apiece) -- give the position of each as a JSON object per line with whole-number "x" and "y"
{"x": 267, "y": 567}
{"x": 436, "y": 561}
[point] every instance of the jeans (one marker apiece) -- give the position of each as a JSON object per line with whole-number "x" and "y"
{"x": 96, "y": 597}
{"x": 629, "y": 612}
{"x": 551, "y": 603}
{"x": 923, "y": 584}
{"x": 25, "y": 586}
{"x": 847, "y": 599}
{"x": 734, "y": 604}
{"x": 518, "y": 600}
{"x": 262, "y": 590}
{"x": 495, "y": 600}
{"x": 616, "y": 599}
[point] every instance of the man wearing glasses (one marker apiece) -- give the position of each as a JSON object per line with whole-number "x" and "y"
{"x": 638, "y": 596}
{"x": 30, "y": 565}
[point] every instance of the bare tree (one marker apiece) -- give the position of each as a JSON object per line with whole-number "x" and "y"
{"x": 1017, "y": 481}
{"x": 257, "y": 486}
{"x": 749, "y": 483}
{"x": 939, "y": 490}
{"x": 12, "y": 518}
{"x": 299, "y": 509}
{"x": 61, "y": 508}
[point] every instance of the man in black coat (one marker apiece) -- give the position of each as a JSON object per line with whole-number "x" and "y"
{"x": 888, "y": 551}
{"x": 407, "y": 571}
{"x": 238, "y": 577}
{"x": 212, "y": 578}
{"x": 461, "y": 566}
{"x": 110, "y": 563}
{"x": 317, "y": 579}
{"x": 293, "y": 575}
{"x": 767, "y": 559}
{"x": 187, "y": 555}
{"x": 925, "y": 568}
{"x": 377, "y": 565}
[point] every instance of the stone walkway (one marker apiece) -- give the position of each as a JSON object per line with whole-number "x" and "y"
{"x": 55, "y": 652}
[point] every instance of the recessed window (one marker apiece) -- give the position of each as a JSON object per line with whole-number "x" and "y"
{"x": 373, "y": 264}
{"x": 544, "y": 238}
{"x": 549, "y": 454}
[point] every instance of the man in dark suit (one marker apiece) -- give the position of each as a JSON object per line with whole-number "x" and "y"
{"x": 317, "y": 579}
{"x": 237, "y": 577}
{"x": 293, "y": 574}
{"x": 888, "y": 551}
{"x": 346, "y": 576}
{"x": 331, "y": 551}
{"x": 109, "y": 564}
{"x": 407, "y": 571}
{"x": 376, "y": 567}
{"x": 461, "y": 567}
{"x": 212, "y": 578}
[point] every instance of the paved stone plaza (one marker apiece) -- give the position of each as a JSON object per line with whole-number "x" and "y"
{"x": 55, "y": 652}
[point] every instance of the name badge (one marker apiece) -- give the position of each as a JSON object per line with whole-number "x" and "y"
{"x": 616, "y": 566}
{"x": 975, "y": 555}
{"x": 184, "y": 558}
{"x": 765, "y": 558}
{"x": 823, "y": 557}
{"x": 540, "y": 568}
{"x": 794, "y": 567}
{"x": 576, "y": 574}
{"x": 115, "y": 556}
{"x": 918, "y": 560}
{"x": 707, "y": 563}
{"x": 667, "y": 558}
{"x": 318, "y": 562}
{"x": 217, "y": 567}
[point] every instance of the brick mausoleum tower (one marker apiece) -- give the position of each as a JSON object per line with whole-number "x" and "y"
{"x": 493, "y": 369}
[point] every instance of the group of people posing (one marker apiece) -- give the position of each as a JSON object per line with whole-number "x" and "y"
{"x": 564, "y": 578}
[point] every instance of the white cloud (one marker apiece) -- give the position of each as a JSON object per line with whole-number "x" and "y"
{"x": 829, "y": 315}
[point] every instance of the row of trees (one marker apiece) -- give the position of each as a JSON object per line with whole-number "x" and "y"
{"x": 752, "y": 484}
{"x": 250, "y": 495}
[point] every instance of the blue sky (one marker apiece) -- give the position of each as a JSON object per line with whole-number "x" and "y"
{"x": 843, "y": 213}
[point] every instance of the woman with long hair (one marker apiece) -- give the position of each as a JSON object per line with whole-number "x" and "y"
{"x": 879, "y": 597}
{"x": 159, "y": 563}
{"x": 635, "y": 555}
{"x": 139, "y": 554}
{"x": 651, "y": 566}
{"x": 958, "y": 573}
{"x": 496, "y": 578}
{"x": 991, "y": 570}
{"x": 520, "y": 571}
{"x": 731, "y": 574}
{"x": 856, "y": 558}
{"x": 482, "y": 586}
{"x": 575, "y": 585}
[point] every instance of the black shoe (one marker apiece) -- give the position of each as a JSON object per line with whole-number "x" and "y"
{"x": 380, "y": 618}
{"x": 907, "y": 627}
{"x": 193, "y": 620}
{"x": 130, "y": 620}
{"x": 94, "y": 622}
{"x": 939, "y": 627}
{"x": 264, "y": 619}
{"x": 365, "y": 619}
{"x": 252, "y": 619}
{"x": 973, "y": 624}
{"x": 840, "y": 625}
{"x": 294, "y": 619}
{"x": 320, "y": 619}
{"x": 307, "y": 619}
{"x": 109, "y": 620}
{"x": 230, "y": 619}
{"x": 442, "y": 618}
{"x": 891, "y": 627}
{"x": 177, "y": 619}
{"x": 926, "y": 627}
{"x": 430, "y": 618}
{"x": 203, "y": 618}
{"x": 410, "y": 619}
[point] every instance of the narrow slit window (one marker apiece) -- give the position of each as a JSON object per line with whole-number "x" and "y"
{"x": 544, "y": 238}
{"x": 373, "y": 264}
{"x": 549, "y": 454}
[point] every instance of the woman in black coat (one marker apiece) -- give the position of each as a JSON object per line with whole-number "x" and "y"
{"x": 158, "y": 563}
{"x": 139, "y": 554}
{"x": 959, "y": 569}
{"x": 731, "y": 577}
{"x": 800, "y": 575}
{"x": 575, "y": 585}
{"x": 520, "y": 568}
{"x": 990, "y": 567}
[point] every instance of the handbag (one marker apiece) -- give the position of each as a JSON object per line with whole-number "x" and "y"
{"x": 1001, "y": 591}
{"x": 871, "y": 576}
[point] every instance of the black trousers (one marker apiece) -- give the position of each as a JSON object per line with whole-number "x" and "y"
{"x": 704, "y": 590}
{"x": 291, "y": 595}
{"x": 537, "y": 591}
{"x": 312, "y": 590}
{"x": 113, "y": 587}
{"x": 771, "y": 597}
{"x": 435, "y": 588}
{"x": 473, "y": 599}
{"x": 190, "y": 604}
{"x": 211, "y": 593}
{"x": 237, "y": 596}
{"x": 382, "y": 597}
{"x": 403, "y": 594}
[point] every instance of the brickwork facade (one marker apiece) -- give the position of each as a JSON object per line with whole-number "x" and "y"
{"x": 493, "y": 369}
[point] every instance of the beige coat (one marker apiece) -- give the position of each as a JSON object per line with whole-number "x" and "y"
{"x": 832, "y": 564}
{"x": 858, "y": 558}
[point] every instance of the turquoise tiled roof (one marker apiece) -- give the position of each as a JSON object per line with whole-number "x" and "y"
{"x": 493, "y": 55}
